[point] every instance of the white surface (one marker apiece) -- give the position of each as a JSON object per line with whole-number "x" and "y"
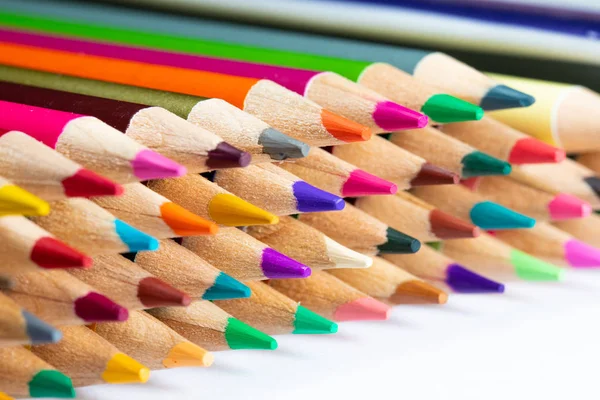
{"x": 537, "y": 341}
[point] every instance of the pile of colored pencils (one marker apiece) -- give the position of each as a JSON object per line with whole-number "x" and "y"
{"x": 173, "y": 186}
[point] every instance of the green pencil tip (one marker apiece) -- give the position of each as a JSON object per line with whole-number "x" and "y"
{"x": 481, "y": 164}
{"x": 399, "y": 243}
{"x": 51, "y": 383}
{"x": 445, "y": 108}
{"x": 490, "y": 215}
{"x": 533, "y": 269}
{"x": 242, "y": 336}
{"x": 310, "y": 323}
{"x": 226, "y": 287}
{"x": 435, "y": 245}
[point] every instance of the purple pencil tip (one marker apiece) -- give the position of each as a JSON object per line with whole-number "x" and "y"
{"x": 391, "y": 116}
{"x": 312, "y": 199}
{"x": 462, "y": 280}
{"x": 278, "y": 266}
{"x": 579, "y": 254}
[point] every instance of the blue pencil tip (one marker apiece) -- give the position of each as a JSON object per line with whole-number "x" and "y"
{"x": 312, "y": 199}
{"x": 38, "y": 331}
{"x": 226, "y": 288}
{"x": 501, "y": 96}
{"x": 490, "y": 215}
{"x": 462, "y": 280}
{"x": 135, "y": 240}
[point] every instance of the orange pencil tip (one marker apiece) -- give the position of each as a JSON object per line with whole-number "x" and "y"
{"x": 344, "y": 129}
{"x": 186, "y": 223}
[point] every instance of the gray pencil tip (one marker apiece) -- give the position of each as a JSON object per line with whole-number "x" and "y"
{"x": 280, "y": 146}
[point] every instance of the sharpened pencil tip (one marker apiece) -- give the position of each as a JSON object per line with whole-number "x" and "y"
{"x": 307, "y": 322}
{"x": 225, "y": 288}
{"x": 445, "y": 109}
{"x": 363, "y": 309}
{"x": 94, "y": 307}
{"x": 51, "y": 383}
{"x": 343, "y": 257}
{"x": 184, "y": 222}
{"x": 533, "y": 151}
{"x": 446, "y": 226}
{"x": 399, "y": 243}
{"x": 501, "y": 97}
{"x": 279, "y": 266}
{"x": 280, "y": 146}
{"x": 533, "y": 269}
{"x": 490, "y": 215}
{"x": 227, "y": 156}
{"x": 86, "y": 183}
{"x": 51, "y": 253}
{"x": 124, "y": 369}
{"x": 148, "y": 164}
{"x": 38, "y": 331}
{"x": 418, "y": 292}
{"x": 134, "y": 239}
{"x": 565, "y": 206}
{"x": 312, "y": 199}
{"x": 430, "y": 174}
{"x": 17, "y": 201}
{"x": 361, "y": 183}
{"x": 580, "y": 254}
{"x": 154, "y": 292}
{"x": 186, "y": 354}
{"x": 462, "y": 280}
{"x": 227, "y": 209}
{"x": 242, "y": 336}
{"x": 477, "y": 163}
{"x": 344, "y": 129}
{"x": 391, "y": 116}
{"x": 594, "y": 183}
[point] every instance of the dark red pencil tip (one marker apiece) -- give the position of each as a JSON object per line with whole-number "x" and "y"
{"x": 533, "y": 151}
{"x": 433, "y": 175}
{"x": 94, "y": 307}
{"x": 153, "y": 292}
{"x": 446, "y": 226}
{"x": 227, "y": 156}
{"x": 86, "y": 183}
{"x": 50, "y": 253}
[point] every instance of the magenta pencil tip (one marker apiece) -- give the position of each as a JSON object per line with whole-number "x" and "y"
{"x": 278, "y": 266}
{"x": 148, "y": 164}
{"x": 391, "y": 116}
{"x": 565, "y": 206}
{"x": 361, "y": 183}
{"x": 581, "y": 255}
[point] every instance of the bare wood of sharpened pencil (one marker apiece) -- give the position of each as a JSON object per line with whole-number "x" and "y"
{"x": 427, "y": 264}
{"x": 585, "y": 229}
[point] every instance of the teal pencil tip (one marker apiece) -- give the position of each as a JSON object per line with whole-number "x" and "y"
{"x": 490, "y": 215}
{"x": 310, "y": 323}
{"x": 226, "y": 287}
{"x": 399, "y": 243}
{"x": 135, "y": 240}
{"x": 501, "y": 97}
{"x": 481, "y": 164}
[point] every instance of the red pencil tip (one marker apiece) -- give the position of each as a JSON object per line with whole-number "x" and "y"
{"x": 51, "y": 253}
{"x": 153, "y": 292}
{"x": 95, "y": 307}
{"x": 434, "y": 175}
{"x": 364, "y": 309}
{"x": 361, "y": 183}
{"x": 86, "y": 183}
{"x": 533, "y": 151}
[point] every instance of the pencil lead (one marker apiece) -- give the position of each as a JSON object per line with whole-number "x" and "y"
{"x": 565, "y": 206}
{"x": 312, "y": 199}
{"x": 149, "y": 164}
{"x": 444, "y": 108}
{"x": 477, "y": 163}
{"x": 226, "y": 288}
{"x": 580, "y": 254}
{"x": 187, "y": 354}
{"x": 344, "y": 257}
{"x": 398, "y": 243}
{"x": 154, "y": 292}
{"x": 433, "y": 175}
{"x": 240, "y": 336}
{"x": 361, "y": 183}
{"x": 124, "y": 369}
{"x": 344, "y": 129}
{"x": 134, "y": 239}
{"x": 279, "y": 266}
{"x": 227, "y": 209}
{"x": 51, "y": 383}
{"x": 418, "y": 292}
{"x": 446, "y": 226}
{"x": 490, "y": 215}
{"x": 51, "y": 253}
{"x": 533, "y": 269}
{"x": 393, "y": 117}
{"x": 38, "y": 331}
{"x": 501, "y": 96}
{"x": 594, "y": 183}
{"x": 86, "y": 183}
{"x": 95, "y": 307}
{"x": 363, "y": 309}
{"x": 533, "y": 151}
{"x": 307, "y": 322}
{"x": 184, "y": 222}
{"x": 462, "y": 280}
{"x": 17, "y": 201}
{"x": 227, "y": 156}
{"x": 280, "y": 146}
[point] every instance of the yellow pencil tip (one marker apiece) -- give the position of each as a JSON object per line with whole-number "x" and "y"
{"x": 17, "y": 201}
{"x": 124, "y": 369}
{"x": 227, "y": 209}
{"x": 186, "y": 354}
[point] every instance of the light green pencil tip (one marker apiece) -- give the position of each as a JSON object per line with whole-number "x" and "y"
{"x": 242, "y": 336}
{"x": 533, "y": 269}
{"x": 51, "y": 383}
{"x": 310, "y": 323}
{"x": 445, "y": 108}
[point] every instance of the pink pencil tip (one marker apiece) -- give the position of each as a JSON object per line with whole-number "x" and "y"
{"x": 581, "y": 255}
{"x": 533, "y": 151}
{"x": 361, "y": 183}
{"x": 566, "y": 206}
{"x": 364, "y": 309}
{"x": 471, "y": 183}
{"x": 151, "y": 165}
{"x": 391, "y": 116}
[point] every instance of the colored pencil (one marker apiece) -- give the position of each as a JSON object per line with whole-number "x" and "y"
{"x": 25, "y": 247}
{"x": 434, "y": 67}
{"x": 235, "y": 126}
{"x": 207, "y": 326}
{"x": 91, "y": 360}
{"x": 390, "y": 162}
{"x": 22, "y": 374}
{"x": 130, "y": 285}
{"x": 184, "y": 270}
{"x": 504, "y": 142}
{"x": 448, "y": 153}
{"x": 61, "y": 299}
{"x": 47, "y": 173}
{"x": 558, "y": 119}
{"x": 552, "y": 245}
{"x": 4, "y": 396}
{"x": 18, "y": 326}
{"x": 470, "y": 206}
{"x": 529, "y": 200}
{"x": 416, "y": 218}
{"x": 243, "y": 257}
{"x": 150, "y": 212}
{"x": 390, "y": 284}
{"x": 275, "y": 190}
{"x": 210, "y": 201}
{"x": 386, "y": 79}
{"x": 195, "y": 148}
{"x": 589, "y": 160}
{"x": 360, "y": 232}
{"x": 444, "y": 272}
{"x": 498, "y": 260}
{"x": 307, "y": 245}
{"x": 89, "y": 142}
{"x": 88, "y": 227}
{"x": 585, "y": 229}
{"x": 334, "y": 175}
{"x": 17, "y": 201}
{"x": 331, "y": 298}
{"x": 276, "y": 314}
{"x": 283, "y": 109}
{"x": 153, "y": 343}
